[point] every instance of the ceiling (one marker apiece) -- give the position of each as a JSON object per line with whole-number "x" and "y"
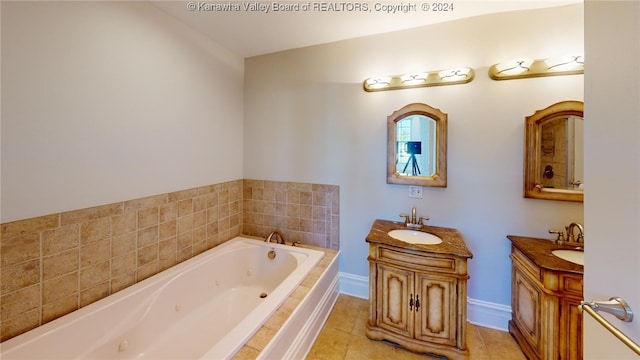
{"x": 250, "y": 33}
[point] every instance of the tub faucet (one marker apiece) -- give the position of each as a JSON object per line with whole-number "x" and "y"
{"x": 413, "y": 221}
{"x": 275, "y": 233}
{"x": 571, "y": 236}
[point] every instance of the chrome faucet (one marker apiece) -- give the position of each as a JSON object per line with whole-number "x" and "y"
{"x": 413, "y": 221}
{"x": 275, "y": 233}
{"x": 570, "y": 235}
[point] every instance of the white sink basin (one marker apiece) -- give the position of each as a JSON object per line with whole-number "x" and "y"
{"x": 574, "y": 256}
{"x": 415, "y": 237}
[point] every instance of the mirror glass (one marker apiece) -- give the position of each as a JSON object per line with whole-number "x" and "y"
{"x": 417, "y": 146}
{"x": 554, "y": 153}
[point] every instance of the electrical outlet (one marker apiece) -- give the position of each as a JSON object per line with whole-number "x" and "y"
{"x": 415, "y": 192}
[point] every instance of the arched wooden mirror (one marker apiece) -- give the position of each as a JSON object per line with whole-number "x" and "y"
{"x": 417, "y": 146}
{"x": 553, "y": 153}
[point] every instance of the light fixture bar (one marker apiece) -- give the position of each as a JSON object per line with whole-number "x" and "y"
{"x": 526, "y": 68}
{"x": 419, "y": 79}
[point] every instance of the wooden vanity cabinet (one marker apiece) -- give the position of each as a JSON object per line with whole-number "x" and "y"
{"x": 546, "y": 321}
{"x": 416, "y": 305}
{"x": 418, "y": 300}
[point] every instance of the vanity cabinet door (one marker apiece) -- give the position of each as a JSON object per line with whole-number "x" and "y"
{"x": 436, "y": 315}
{"x": 526, "y": 305}
{"x": 571, "y": 329}
{"x": 395, "y": 289}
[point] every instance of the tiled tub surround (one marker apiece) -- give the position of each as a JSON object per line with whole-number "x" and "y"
{"x": 308, "y": 213}
{"x": 199, "y": 323}
{"x": 54, "y": 264}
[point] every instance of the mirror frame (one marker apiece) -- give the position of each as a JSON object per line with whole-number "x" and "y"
{"x": 532, "y": 152}
{"x": 439, "y": 178}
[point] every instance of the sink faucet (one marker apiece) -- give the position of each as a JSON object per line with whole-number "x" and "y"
{"x": 275, "y": 233}
{"x": 571, "y": 236}
{"x": 413, "y": 221}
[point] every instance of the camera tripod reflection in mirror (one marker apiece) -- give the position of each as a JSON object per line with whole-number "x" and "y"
{"x": 413, "y": 148}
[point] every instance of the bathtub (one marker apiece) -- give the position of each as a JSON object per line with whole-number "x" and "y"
{"x": 207, "y": 307}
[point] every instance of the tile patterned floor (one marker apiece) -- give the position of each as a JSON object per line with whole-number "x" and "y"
{"x": 343, "y": 337}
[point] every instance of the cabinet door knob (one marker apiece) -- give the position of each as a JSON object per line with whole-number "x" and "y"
{"x": 417, "y": 302}
{"x": 410, "y": 302}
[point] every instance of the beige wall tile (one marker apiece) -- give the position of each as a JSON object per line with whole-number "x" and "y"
{"x": 185, "y": 207}
{"x": 19, "y": 302}
{"x": 60, "y": 264}
{"x": 22, "y": 227}
{"x": 224, "y": 224}
{"x": 212, "y": 200}
{"x": 95, "y": 252}
{"x": 184, "y": 254}
{"x": 199, "y": 234}
{"x": 199, "y": 247}
{"x": 95, "y": 230}
{"x": 94, "y": 293}
{"x": 59, "y": 287}
{"x": 183, "y": 194}
{"x": 168, "y": 211}
{"x": 58, "y": 308}
{"x": 147, "y": 270}
{"x": 185, "y": 223}
{"x": 123, "y": 281}
{"x": 167, "y": 246}
{"x": 18, "y": 325}
{"x": 199, "y": 219}
{"x": 20, "y": 275}
{"x": 84, "y": 215}
{"x": 167, "y": 229}
{"x": 124, "y": 264}
{"x": 60, "y": 239}
{"x": 207, "y": 189}
{"x": 223, "y": 197}
{"x": 146, "y": 203}
{"x": 124, "y": 243}
{"x": 147, "y": 236}
{"x": 19, "y": 249}
{"x": 95, "y": 274}
{"x": 167, "y": 261}
{"x": 223, "y": 210}
{"x": 148, "y": 217}
{"x": 200, "y": 203}
{"x": 185, "y": 239}
{"x": 147, "y": 254}
{"x": 121, "y": 224}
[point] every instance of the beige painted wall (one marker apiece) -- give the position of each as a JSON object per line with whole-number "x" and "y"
{"x": 308, "y": 119}
{"x": 108, "y": 101}
{"x": 612, "y": 201}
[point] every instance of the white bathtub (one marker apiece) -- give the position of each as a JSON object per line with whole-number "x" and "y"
{"x": 204, "y": 308}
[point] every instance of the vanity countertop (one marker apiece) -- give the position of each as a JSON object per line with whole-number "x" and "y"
{"x": 452, "y": 241}
{"x": 539, "y": 252}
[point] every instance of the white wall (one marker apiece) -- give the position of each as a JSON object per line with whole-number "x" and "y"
{"x": 612, "y": 170}
{"x": 308, "y": 119}
{"x": 109, "y": 101}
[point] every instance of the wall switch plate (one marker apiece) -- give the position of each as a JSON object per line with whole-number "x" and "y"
{"x": 415, "y": 192}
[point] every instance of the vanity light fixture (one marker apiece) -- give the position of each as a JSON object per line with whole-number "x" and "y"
{"x": 420, "y": 79}
{"x": 526, "y": 68}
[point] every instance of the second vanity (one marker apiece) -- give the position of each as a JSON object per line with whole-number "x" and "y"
{"x": 546, "y": 292}
{"x": 418, "y": 292}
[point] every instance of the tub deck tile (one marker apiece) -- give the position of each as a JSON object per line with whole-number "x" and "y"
{"x": 251, "y": 350}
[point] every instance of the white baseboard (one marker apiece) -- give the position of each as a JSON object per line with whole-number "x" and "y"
{"x": 479, "y": 312}
{"x": 354, "y": 285}
{"x": 487, "y": 314}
